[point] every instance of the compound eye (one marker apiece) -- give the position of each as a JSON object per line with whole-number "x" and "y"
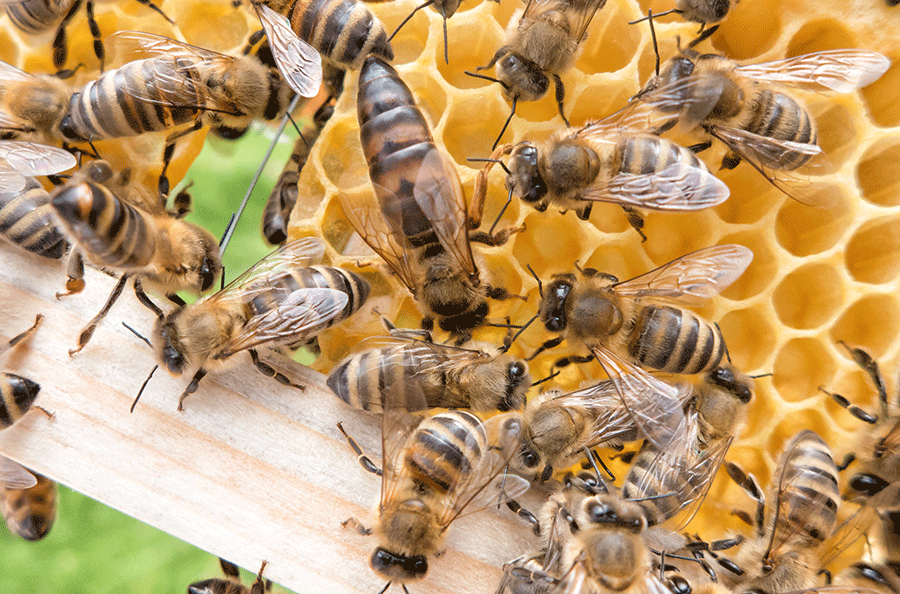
{"x": 529, "y": 458}
{"x": 868, "y": 484}
{"x": 516, "y": 370}
{"x": 510, "y": 62}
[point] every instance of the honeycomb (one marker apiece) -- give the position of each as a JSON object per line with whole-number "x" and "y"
{"x": 819, "y": 274}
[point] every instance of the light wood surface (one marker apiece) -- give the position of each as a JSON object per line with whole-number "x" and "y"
{"x": 251, "y": 470}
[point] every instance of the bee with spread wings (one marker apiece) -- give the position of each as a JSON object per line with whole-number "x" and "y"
{"x": 281, "y": 300}
{"x": 744, "y": 107}
{"x": 20, "y": 160}
{"x": 436, "y": 469}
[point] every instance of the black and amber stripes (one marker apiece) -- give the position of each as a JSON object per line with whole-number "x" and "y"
{"x": 444, "y": 449}
{"x": 109, "y": 231}
{"x": 37, "y": 16}
{"x": 675, "y": 340}
{"x": 30, "y": 513}
{"x": 777, "y": 115}
{"x": 18, "y": 394}
{"x": 26, "y": 219}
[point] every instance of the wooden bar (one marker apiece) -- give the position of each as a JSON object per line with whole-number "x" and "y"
{"x": 251, "y": 470}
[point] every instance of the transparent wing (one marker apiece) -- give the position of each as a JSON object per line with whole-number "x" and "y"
{"x": 164, "y": 82}
{"x": 439, "y": 194}
{"x": 298, "y": 62}
{"x": 15, "y": 476}
{"x": 397, "y": 425}
{"x": 8, "y": 72}
{"x": 10, "y": 179}
{"x": 289, "y": 257}
{"x": 859, "y": 523}
{"x": 582, "y": 12}
{"x": 138, "y": 44}
{"x": 692, "y": 279}
{"x": 31, "y": 159}
{"x": 387, "y": 241}
{"x": 843, "y": 70}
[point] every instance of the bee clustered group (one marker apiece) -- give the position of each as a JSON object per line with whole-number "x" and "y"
{"x": 797, "y": 250}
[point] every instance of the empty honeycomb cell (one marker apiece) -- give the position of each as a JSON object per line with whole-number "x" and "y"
{"x": 336, "y": 229}
{"x": 412, "y": 38}
{"x": 750, "y": 30}
{"x": 534, "y": 248}
{"x": 464, "y": 132}
{"x": 498, "y": 269}
{"x": 881, "y": 98}
{"x": 803, "y": 230}
{"x": 873, "y": 252}
{"x": 795, "y": 422}
{"x": 468, "y": 52}
{"x": 308, "y": 187}
{"x": 193, "y": 20}
{"x": 429, "y": 94}
{"x": 8, "y": 48}
{"x": 801, "y": 366}
{"x": 872, "y": 323}
{"x": 610, "y": 43}
{"x": 809, "y": 296}
{"x": 878, "y": 173}
{"x": 671, "y": 235}
{"x": 818, "y": 36}
{"x": 762, "y": 270}
{"x": 752, "y": 196}
{"x": 749, "y": 336}
{"x": 347, "y": 168}
{"x": 609, "y": 218}
{"x": 597, "y": 101}
{"x": 837, "y": 133}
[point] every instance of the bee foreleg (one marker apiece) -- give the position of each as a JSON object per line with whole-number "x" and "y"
{"x": 636, "y": 220}
{"x": 95, "y": 33}
{"x": 254, "y": 38}
{"x": 259, "y": 585}
{"x": 847, "y": 461}
{"x": 523, "y": 513}
{"x": 145, "y": 299}
{"x": 870, "y": 366}
{"x": 851, "y": 408}
{"x": 169, "y": 151}
{"x": 573, "y": 359}
{"x": 24, "y": 335}
{"x": 88, "y": 330}
{"x": 60, "y": 43}
{"x": 560, "y": 96}
{"x": 495, "y": 239}
{"x": 229, "y": 569}
{"x": 269, "y": 371}
{"x": 553, "y": 342}
{"x": 75, "y": 272}
{"x": 364, "y": 460}
{"x": 748, "y": 483}
{"x": 191, "y": 387}
{"x": 500, "y": 294}
{"x": 153, "y": 6}
{"x": 356, "y": 525}
{"x": 700, "y": 147}
{"x": 730, "y": 160}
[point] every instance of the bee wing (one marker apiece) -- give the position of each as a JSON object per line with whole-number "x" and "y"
{"x": 397, "y": 424}
{"x": 298, "y": 61}
{"x": 655, "y": 407}
{"x": 10, "y": 179}
{"x": 691, "y": 279}
{"x": 292, "y": 255}
{"x": 31, "y": 159}
{"x": 843, "y": 70}
{"x": 9, "y": 73}
{"x": 858, "y": 524}
{"x": 678, "y": 187}
{"x": 439, "y": 194}
{"x": 15, "y": 476}
{"x": 387, "y": 240}
{"x": 484, "y": 485}
{"x": 573, "y": 581}
{"x": 583, "y": 11}
{"x": 611, "y": 419}
{"x": 170, "y": 86}
{"x": 137, "y": 44}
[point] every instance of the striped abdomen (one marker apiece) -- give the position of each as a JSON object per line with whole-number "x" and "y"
{"x": 343, "y": 31}
{"x": 444, "y": 449}
{"x": 30, "y": 513}
{"x": 111, "y": 232}
{"x": 26, "y": 219}
{"x": 36, "y": 16}
{"x": 107, "y": 107}
{"x": 808, "y": 493}
{"x": 18, "y": 394}
{"x": 777, "y": 115}
{"x": 675, "y": 340}
{"x": 396, "y": 141}
{"x": 660, "y": 500}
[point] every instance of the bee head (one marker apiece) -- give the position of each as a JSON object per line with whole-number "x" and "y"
{"x": 400, "y": 568}
{"x": 525, "y": 176}
{"x": 523, "y": 79}
{"x": 167, "y": 343}
{"x": 866, "y": 485}
{"x": 725, "y": 378}
{"x": 672, "y": 70}
{"x": 518, "y": 380}
{"x": 207, "y": 264}
{"x": 553, "y": 305}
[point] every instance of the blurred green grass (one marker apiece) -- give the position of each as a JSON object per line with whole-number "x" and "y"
{"x": 94, "y": 549}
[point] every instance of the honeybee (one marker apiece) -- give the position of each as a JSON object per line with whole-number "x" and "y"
{"x": 673, "y": 481}
{"x": 743, "y": 107}
{"x": 232, "y": 582}
{"x": 279, "y": 301}
{"x": 418, "y": 225}
{"x": 883, "y": 578}
{"x": 36, "y": 16}
{"x": 343, "y": 31}
{"x": 608, "y": 160}
{"x": 20, "y": 160}
{"x": 277, "y": 211}
{"x": 704, "y": 12}
{"x": 30, "y": 513}
{"x": 641, "y": 321}
{"x": 423, "y": 374}
{"x": 541, "y": 41}
{"x": 26, "y": 220}
{"x": 446, "y": 8}
{"x": 31, "y": 107}
{"x": 435, "y": 468}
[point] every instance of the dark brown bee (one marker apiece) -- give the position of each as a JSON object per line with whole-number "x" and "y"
{"x": 343, "y": 31}
{"x": 418, "y": 222}
{"x": 26, "y": 219}
{"x": 281, "y": 300}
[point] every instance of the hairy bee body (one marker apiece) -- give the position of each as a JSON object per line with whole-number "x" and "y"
{"x": 431, "y": 375}
{"x": 343, "y": 31}
{"x": 33, "y": 106}
{"x": 26, "y": 219}
{"x": 231, "y": 583}
{"x": 30, "y": 513}
{"x": 168, "y": 252}
{"x": 17, "y": 393}
{"x": 108, "y": 107}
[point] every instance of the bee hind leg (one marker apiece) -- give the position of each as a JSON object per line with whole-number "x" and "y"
{"x": 88, "y": 331}
{"x": 560, "y": 96}
{"x": 526, "y": 515}
{"x": 269, "y": 371}
{"x": 191, "y": 388}
{"x": 364, "y": 460}
{"x": 75, "y": 273}
{"x": 573, "y": 359}
{"x": 553, "y": 342}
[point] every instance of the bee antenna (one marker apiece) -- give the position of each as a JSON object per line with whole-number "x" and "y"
{"x": 549, "y": 377}
{"x": 594, "y": 458}
{"x": 96, "y": 154}
{"x": 761, "y": 375}
{"x": 138, "y": 334}
{"x": 502, "y": 210}
{"x": 490, "y": 160}
{"x": 229, "y": 231}
{"x": 512, "y": 112}
{"x": 505, "y": 347}
{"x": 415, "y": 10}
{"x": 444, "y": 14}
{"x": 144, "y": 385}
{"x": 540, "y": 285}
{"x": 704, "y": 35}
{"x": 490, "y": 78}
{"x": 386, "y": 586}
{"x": 727, "y": 354}
{"x": 650, "y": 15}
{"x": 653, "y": 37}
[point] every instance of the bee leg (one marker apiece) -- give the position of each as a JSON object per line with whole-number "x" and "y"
{"x": 191, "y": 387}
{"x": 742, "y": 516}
{"x": 364, "y": 460}
{"x": 181, "y": 203}
{"x": 870, "y": 366}
{"x": 730, "y": 160}
{"x": 501, "y": 294}
{"x": 88, "y": 330}
{"x": 560, "y": 96}
{"x": 636, "y": 220}
{"x": 60, "y": 43}
{"x": 75, "y": 272}
{"x": 584, "y": 213}
{"x": 553, "y": 342}
{"x": 851, "y": 408}
{"x": 229, "y": 569}
{"x": 19, "y": 338}
{"x": 269, "y": 371}
{"x": 95, "y": 33}
{"x": 169, "y": 151}
{"x": 356, "y": 525}
{"x": 565, "y": 361}
{"x": 526, "y": 515}
{"x": 145, "y": 299}
{"x": 428, "y": 323}
{"x": 495, "y": 239}
{"x": 153, "y": 6}
{"x": 700, "y": 147}
{"x": 748, "y": 483}
{"x": 847, "y": 461}
{"x": 254, "y": 38}
{"x": 259, "y": 585}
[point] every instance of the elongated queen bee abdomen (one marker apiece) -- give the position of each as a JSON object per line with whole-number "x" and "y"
{"x": 26, "y": 219}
